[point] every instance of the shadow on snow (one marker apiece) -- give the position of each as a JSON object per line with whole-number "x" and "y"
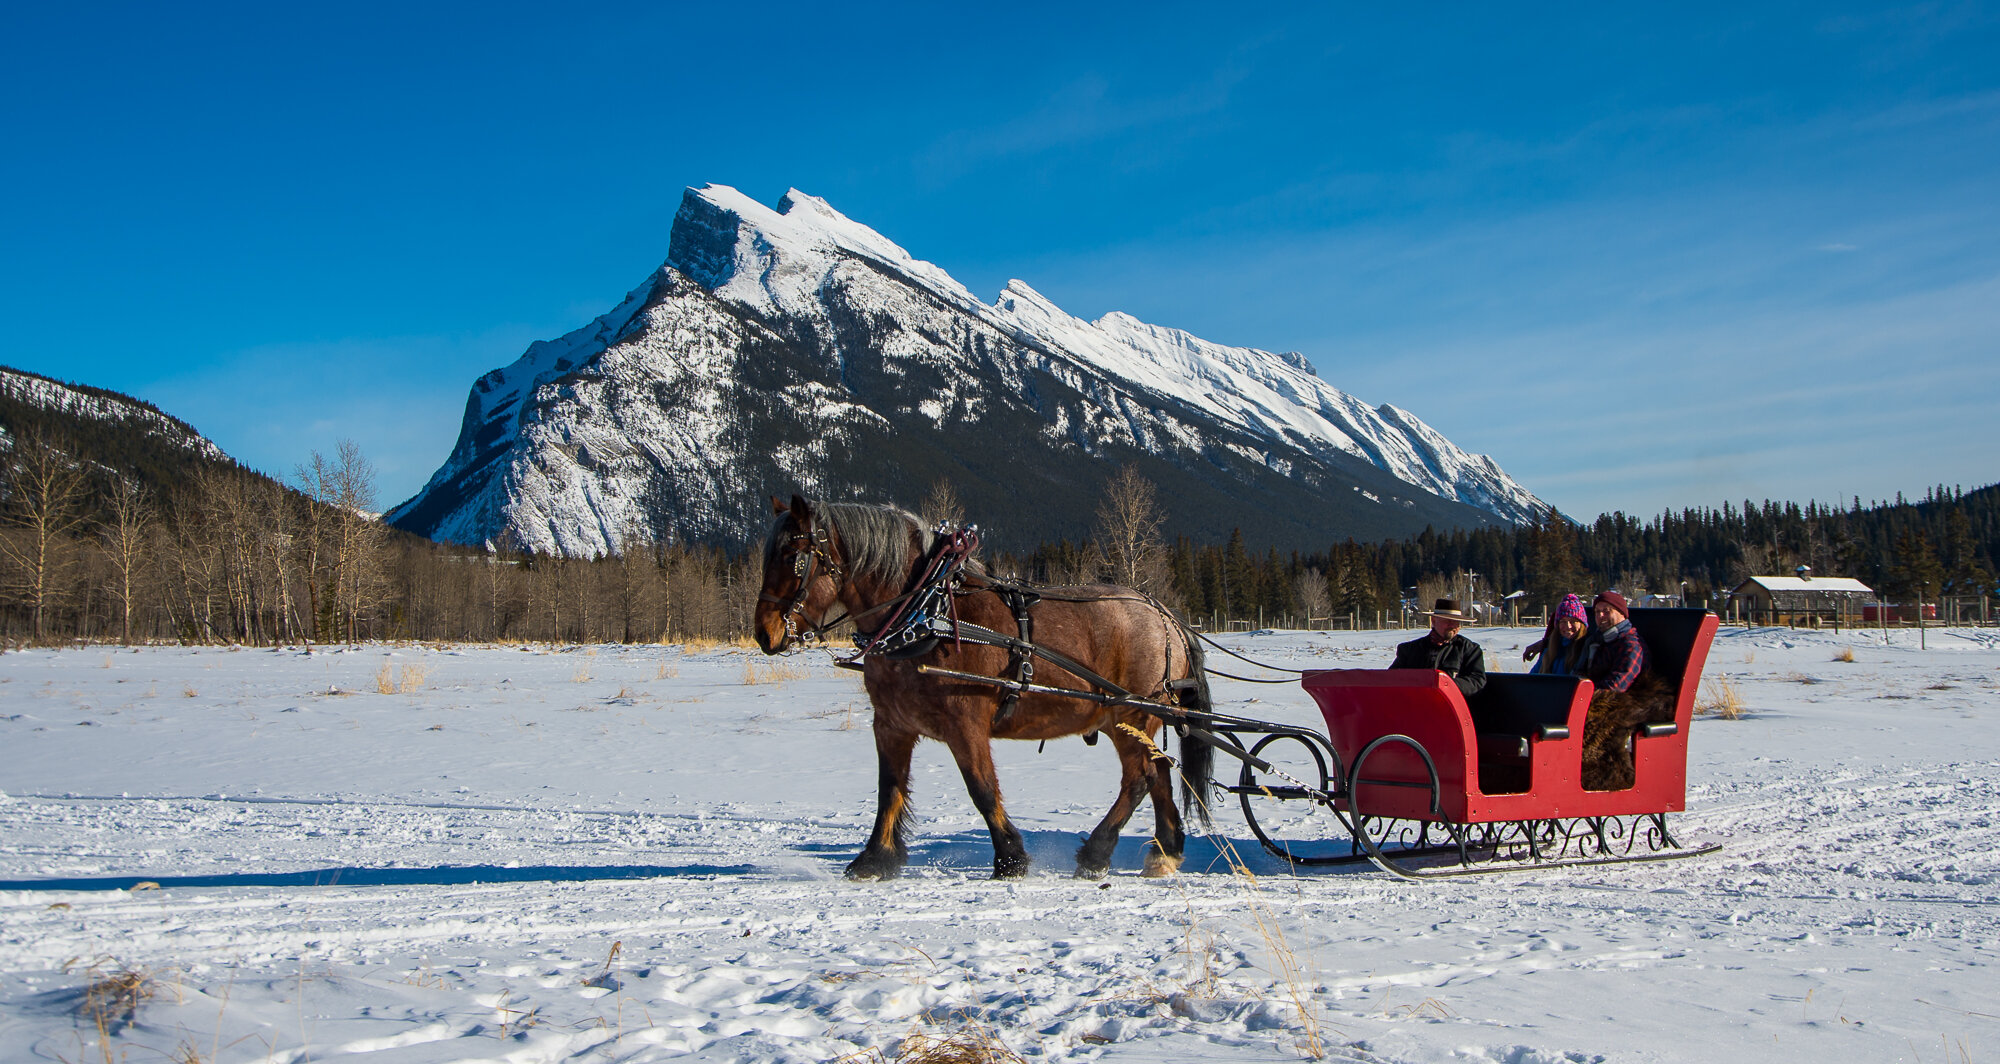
{"x": 443, "y": 876}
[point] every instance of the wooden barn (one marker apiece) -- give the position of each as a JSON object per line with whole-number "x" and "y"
{"x": 1800, "y": 599}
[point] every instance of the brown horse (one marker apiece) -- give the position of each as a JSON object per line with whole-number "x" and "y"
{"x": 824, "y": 558}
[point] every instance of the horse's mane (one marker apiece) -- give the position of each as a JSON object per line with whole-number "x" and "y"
{"x": 875, "y": 539}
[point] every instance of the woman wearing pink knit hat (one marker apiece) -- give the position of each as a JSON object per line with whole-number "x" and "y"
{"x": 1562, "y": 644}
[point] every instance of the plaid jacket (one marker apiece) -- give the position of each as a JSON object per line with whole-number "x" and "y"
{"x": 1616, "y": 658}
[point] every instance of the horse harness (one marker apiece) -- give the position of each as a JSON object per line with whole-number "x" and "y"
{"x": 926, "y": 614}
{"x": 930, "y": 617}
{"x": 815, "y": 546}
{"x": 916, "y": 607}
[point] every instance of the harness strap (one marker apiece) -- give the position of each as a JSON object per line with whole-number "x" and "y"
{"x": 973, "y": 633}
{"x": 1020, "y": 661}
{"x": 927, "y": 592}
{"x": 817, "y": 549}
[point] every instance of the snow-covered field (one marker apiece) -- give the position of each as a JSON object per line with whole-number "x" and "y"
{"x": 634, "y": 854}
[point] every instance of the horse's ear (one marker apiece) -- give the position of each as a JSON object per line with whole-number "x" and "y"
{"x": 777, "y": 505}
{"x": 801, "y": 510}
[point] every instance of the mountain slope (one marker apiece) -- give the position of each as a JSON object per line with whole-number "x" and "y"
{"x": 107, "y": 430}
{"x": 797, "y": 349}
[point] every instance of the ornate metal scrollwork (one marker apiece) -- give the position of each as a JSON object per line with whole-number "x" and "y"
{"x": 1424, "y": 849}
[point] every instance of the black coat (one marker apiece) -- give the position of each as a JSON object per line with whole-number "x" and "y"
{"x": 1459, "y": 658}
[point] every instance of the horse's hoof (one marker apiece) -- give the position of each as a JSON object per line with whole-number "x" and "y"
{"x": 1159, "y": 866}
{"x": 1010, "y": 867}
{"x": 864, "y": 870}
{"x": 1084, "y": 871}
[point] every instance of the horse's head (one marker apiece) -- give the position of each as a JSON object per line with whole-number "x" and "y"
{"x": 802, "y": 574}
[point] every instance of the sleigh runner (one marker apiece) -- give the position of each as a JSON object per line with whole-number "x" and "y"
{"x": 1409, "y": 775}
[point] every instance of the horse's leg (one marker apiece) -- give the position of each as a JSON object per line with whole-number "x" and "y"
{"x": 1169, "y": 841}
{"x": 886, "y": 851}
{"x": 974, "y": 753}
{"x": 1093, "y": 858}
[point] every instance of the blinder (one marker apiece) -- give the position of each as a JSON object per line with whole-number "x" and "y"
{"x": 816, "y": 548}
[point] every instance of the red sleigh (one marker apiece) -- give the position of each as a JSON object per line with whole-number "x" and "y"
{"x": 1429, "y": 783}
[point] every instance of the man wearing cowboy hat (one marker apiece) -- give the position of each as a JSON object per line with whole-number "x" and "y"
{"x": 1446, "y": 651}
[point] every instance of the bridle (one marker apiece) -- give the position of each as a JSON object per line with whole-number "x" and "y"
{"x": 812, "y": 548}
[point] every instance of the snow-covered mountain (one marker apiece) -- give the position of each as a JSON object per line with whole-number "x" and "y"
{"x": 796, "y": 349}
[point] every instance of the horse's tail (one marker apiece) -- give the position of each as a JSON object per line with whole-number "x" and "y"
{"x": 1197, "y": 757}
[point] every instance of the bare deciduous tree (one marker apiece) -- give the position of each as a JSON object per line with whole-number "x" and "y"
{"x": 942, "y": 504}
{"x": 44, "y": 505}
{"x": 1128, "y": 531}
{"x": 1310, "y": 586}
{"x": 125, "y": 535}
{"x": 635, "y": 590}
{"x": 345, "y": 549}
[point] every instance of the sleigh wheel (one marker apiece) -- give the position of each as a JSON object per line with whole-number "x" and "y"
{"x": 1289, "y": 805}
{"x": 1411, "y": 847}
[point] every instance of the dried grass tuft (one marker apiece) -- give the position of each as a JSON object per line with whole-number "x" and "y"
{"x": 1720, "y": 699}
{"x": 582, "y": 674}
{"x": 1292, "y": 971}
{"x": 961, "y": 1043}
{"x": 695, "y": 644}
{"x": 1428, "y": 1008}
{"x": 112, "y": 1000}
{"x": 1845, "y": 654}
{"x": 402, "y": 679}
{"x": 188, "y": 691}
{"x": 755, "y": 672}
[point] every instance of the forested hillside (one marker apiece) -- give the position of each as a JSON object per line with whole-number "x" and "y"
{"x": 120, "y": 523}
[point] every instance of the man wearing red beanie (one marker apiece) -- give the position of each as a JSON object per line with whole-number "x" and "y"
{"x": 1618, "y": 655}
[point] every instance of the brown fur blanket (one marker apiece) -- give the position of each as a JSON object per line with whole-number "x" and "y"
{"x": 1607, "y": 731}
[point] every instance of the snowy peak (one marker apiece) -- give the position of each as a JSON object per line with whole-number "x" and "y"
{"x": 791, "y": 347}
{"x": 731, "y": 244}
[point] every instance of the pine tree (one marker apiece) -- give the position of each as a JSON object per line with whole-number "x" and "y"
{"x": 1239, "y": 576}
{"x": 1965, "y": 574}
{"x": 1917, "y": 575}
{"x": 1553, "y": 567}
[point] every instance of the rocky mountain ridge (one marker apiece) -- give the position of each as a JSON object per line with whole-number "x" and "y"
{"x": 796, "y": 349}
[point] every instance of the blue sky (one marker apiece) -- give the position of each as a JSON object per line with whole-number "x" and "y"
{"x": 1647, "y": 258}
